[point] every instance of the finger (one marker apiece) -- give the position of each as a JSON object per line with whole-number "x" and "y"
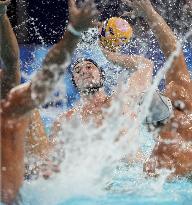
{"x": 72, "y": 4}
{"x": 93, "y": 13}
{"x": 127, "y": 13}
{"x": 94, "y": 19}
{"x": 90, "y": 9}
{"x": 88, "y": 5}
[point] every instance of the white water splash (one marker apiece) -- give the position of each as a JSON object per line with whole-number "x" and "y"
{"x": 92, "y": 154}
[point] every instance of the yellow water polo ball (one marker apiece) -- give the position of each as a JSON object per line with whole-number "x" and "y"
{"x": 114, "y": 33}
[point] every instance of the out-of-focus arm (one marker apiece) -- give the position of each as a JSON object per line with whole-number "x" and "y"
{"x": 24, "y": 98}
{"x": 168, "y": 42}
{"x": 9, "y": 52}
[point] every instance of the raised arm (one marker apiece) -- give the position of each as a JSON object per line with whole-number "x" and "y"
{"x": 9, "y": 52}
{"x": 133, "y": 62}
{"x": 141, "y": 67}
{"x": 178, "y": 72}
{"x": 27, "y": 97}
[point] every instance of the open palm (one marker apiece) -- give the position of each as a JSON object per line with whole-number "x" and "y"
{"x": 82, "y": 18}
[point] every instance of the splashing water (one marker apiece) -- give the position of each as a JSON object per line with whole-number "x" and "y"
{"x": 95, "y": 162}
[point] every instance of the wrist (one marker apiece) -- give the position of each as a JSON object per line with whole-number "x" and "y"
{"x": 73, "y": 30}
{"x": 3, "y": 11}
{"x": 2, "y": 17}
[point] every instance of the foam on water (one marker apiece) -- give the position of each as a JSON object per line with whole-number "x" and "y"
{"x": 95, "y": 168}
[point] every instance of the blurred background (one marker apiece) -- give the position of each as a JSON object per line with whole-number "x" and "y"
{"x": 38, "y": 24}
{"x": 43, "y": 21}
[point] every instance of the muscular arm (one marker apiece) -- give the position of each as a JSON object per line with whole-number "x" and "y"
{"x": 134, "y": 62}
{"x": 168, "y": 42}
{"x": 54, "y": 65}
{"x": 26, "y": 97}
{"x": 9, "y": 52}
{"x": 141, "y": 79}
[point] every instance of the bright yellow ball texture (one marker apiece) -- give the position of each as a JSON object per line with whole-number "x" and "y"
{"x": 115, "y": 32}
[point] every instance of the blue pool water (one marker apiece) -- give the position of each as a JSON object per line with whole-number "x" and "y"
{"x": 132, "y": 189}
{"x": 32, "y": 57}
{"x": 129, "y": 186}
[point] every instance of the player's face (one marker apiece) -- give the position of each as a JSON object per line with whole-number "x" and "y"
{"x": 86, "y": 75}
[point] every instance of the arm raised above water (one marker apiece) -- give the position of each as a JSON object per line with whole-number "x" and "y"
{"x": 9, "y": 52}
{"x": 24, "y": 98}
{"x": 142, "y": 69}
{"x": 168, "y": 42}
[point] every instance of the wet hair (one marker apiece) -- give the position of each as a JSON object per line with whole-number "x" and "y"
{"x": 102, "y": 73}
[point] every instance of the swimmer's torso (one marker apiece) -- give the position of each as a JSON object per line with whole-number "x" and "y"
{"x": 86, "y": 113}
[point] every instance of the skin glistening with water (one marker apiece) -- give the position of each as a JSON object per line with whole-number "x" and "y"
{"x": 89, "y": 82}
{"x": 21, "y": 100}
{"x": 10, "y": 77}
{"x": 178, "y": 88}
{"x": 173, "y": 149}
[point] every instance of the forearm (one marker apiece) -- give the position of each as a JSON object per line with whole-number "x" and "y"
{"x": 133, "y": 62}
{"x": 59, "y": 57}
{"x": 9, "y": 46}
{"x": 57, "y": 54}
{"x": 136, "y": 62}
{"x": 37, "y": 142}
{"x": 168, "y": 42}
{"x": 9, "y": 79}
{"x": 164, "y": 34}
{"x": 10, "y": 56}
{"x": 55, "y": 63}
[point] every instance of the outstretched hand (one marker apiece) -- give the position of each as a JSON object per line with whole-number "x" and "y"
{"x": 82, "y": 18}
